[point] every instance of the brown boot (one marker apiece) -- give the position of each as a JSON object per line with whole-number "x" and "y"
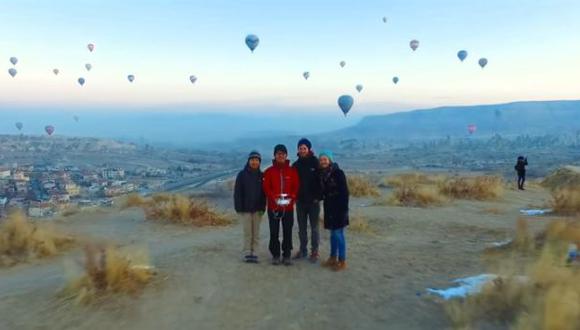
{"x": 330, "y": 262}
{"x": 340, "y": 265}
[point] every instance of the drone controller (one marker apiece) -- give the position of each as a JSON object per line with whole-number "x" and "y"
{"x": 283, "y": 200}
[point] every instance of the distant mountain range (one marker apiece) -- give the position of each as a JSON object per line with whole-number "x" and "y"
{"x": 510, "y": 119}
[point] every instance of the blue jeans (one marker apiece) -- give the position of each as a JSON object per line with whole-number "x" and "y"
{"x": 338, "y": 244}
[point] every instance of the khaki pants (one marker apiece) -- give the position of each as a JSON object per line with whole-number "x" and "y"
{"x": 251, "y": 223}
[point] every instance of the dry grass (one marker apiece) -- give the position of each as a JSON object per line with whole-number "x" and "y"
{"x": 109, "y": 271}
{"x": 411, "y": 179}
{"x": 359, "y": 224}
{"x": 545, "y": 295}
{"x": 175, "y": 208}
{"x": 565, "y": 177}
{"x": 422, "y": 190}
{"x": 416, "y": 196}
{"x": 70, "y": 211}
{"x": 566, "y": 201}
{"x": 362, "y": 186}
{"x": 475, "y": 188}
{"x": 133, "y": 200}
{"x": 22, "y": 240}
{"x": 493, "y": 210}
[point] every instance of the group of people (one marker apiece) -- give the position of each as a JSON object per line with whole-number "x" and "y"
{"x": 285, "y": 189}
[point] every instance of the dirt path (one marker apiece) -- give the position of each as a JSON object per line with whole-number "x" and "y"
{"x": 204, "y": 285}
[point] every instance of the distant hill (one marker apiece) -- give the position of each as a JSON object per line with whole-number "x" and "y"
{"x": 519, "y": 118}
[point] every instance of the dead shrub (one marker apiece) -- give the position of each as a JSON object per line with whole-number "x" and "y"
{"x": 180, "y": 209}
{"x": 359, "y": 224}
{"x": 361, "y": 186}
{"x": 546, "y": 295}
{"x": 415, "y": 196}
{"x": 22, "y": 240}
{"x": 411, "y": 179}
{"x": 476, "y": 188}
{"x": 565, "y": 177}
{"x": 109, "y": 270}
{"x": 566, "y": 201}
{"x": 133, "y": 200}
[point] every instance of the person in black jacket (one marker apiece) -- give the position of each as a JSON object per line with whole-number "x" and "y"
{"x": 335, "y": 196}
{"x": 521, "y": 170}
{"x": 250, "y": 203}
{"x": 308, "y": 202}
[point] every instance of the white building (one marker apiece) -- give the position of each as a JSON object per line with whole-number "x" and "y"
{"x": 113, "y": 173}
{"x": 4, "y": 173}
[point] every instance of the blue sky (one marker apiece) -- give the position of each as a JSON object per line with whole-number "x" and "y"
{"x": 532, "y": 47}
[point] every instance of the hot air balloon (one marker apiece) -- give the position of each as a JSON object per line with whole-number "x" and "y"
{"x": 395, "y": 80}
{"x": 81, "y": 81}
{"x": 49, "y": 130}
{"x": 359, "y": 88}
{"x": 384, "y": 20}
{"x": 55, "y": 71}
{"x": 91, "y": 47}
{"x": 193, "y": 79}
{"x": 76, "y": 118}
{"x": 342, "y": 64}
{"x": 13, "y": 60}
{"x": 306, "y": 75}
{"x": 471, "y": 128}
{"x": 88, "y": 66}
{"x": 131, "y": 78}
{"x": 482, "y": 62}
{"x": 12, "y": 72}
{"x": 462, "y": 54}
{"x": 252, "y": 41}
{"x": 19, "y": 126}
{"x": 414, "y": 44}
{"x": 345, "y": 102}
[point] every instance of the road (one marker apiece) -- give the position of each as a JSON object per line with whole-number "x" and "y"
{"x": 194, "y": 182}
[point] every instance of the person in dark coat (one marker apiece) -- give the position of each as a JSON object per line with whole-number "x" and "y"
{"x": 308, "y": 202}
{"x": 521, "y": 170}
{"x": 250, "y": 203}
{"x": 335, "y": 196}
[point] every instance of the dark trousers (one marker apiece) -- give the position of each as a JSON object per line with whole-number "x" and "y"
{"x": 287, "y": 219}
{"x": 521, "y": 179}
{"x": 304, "y": 212}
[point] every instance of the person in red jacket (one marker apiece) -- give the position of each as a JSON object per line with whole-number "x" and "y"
{"x": 281, "y": 185}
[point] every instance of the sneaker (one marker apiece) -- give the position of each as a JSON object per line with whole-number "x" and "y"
{"x": 287, "y": 261}
{"x": 247, "y": 257}
{"x": 252, "y": 259}
{"x": 314, "y": 257}
{"x": 300, "y": 255}
{"x": 340, "y": 265}
{"x": 330, "y": 262}
{"x": 276, "y": 261}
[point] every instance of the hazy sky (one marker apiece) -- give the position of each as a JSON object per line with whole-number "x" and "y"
{"x": 532, "y": 47}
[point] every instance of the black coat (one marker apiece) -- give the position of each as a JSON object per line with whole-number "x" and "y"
{"x": 248, "y": 194}
{"x": 309, "y": 174}
{"x": 521, "y": 166}
{"x": 335, "y": 195}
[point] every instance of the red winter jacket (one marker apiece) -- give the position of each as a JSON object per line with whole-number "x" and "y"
{"x": 281, "y": 179}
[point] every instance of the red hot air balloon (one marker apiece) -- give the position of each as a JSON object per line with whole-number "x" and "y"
{"x": 49, "y": 130}
{"x": 471, "y": 128}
